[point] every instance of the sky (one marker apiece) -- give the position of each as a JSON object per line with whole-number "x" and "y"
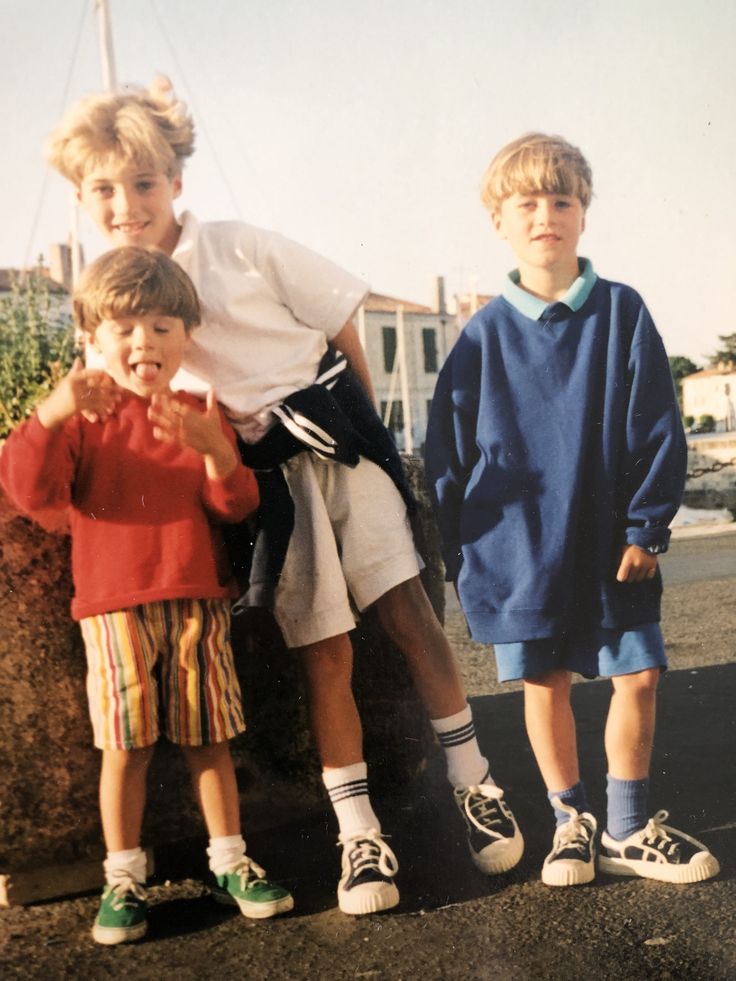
{"x": 362, "y": 128}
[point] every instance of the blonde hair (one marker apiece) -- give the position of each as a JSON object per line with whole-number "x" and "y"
{"x": 132, "y": 280}
{"x": 537, "y": 164}
{"x": 150, "y": 129}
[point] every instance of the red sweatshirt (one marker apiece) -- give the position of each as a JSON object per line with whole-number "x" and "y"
{"x": 143, "y": 513}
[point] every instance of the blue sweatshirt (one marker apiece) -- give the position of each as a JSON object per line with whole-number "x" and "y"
{"x": 555, "y": 439}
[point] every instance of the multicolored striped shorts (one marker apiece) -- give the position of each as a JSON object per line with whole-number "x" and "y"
{"x": 162, "y": 667}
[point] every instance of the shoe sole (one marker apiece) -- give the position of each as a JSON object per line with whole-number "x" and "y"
{"x": 566, "y": 876}
{"x": 692, "y": 872}
{"x": 359, "y": 903}
{"x": 111, "y": 936}
{"x": 255, "y": 911}
{"x": 490, "y": 865}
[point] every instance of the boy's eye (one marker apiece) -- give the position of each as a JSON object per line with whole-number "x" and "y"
{"x": 143, "y": 186}
{"x": 160, "y": 329}
{"x": 562, "y": 204}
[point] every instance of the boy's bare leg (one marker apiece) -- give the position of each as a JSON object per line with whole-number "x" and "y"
{"x": 550, "y": 726}
{"x": 368, "y": 864}
{"x": 238, "y": 880}
{"x": 409, "y": 619}
{"x": 629, "y": 733}
{"x": 213, "y": 776}
{"x": 123, "y": 796}
{"x": 333, "y": 714}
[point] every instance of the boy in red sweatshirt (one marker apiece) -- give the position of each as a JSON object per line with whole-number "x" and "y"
{"x": 147, "y": 475}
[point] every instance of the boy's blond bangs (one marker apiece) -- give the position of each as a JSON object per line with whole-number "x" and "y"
{"x": 537, "y": 164}
{"x": 150, "y": 131}
{"x": 131, "y": 281}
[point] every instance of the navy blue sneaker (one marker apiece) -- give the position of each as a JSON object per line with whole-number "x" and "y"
{"x": 368, "y": 868}
{"x": 572, "y": 859}
{"x": 494, "y": 839}
{"x": 658, "y": 852}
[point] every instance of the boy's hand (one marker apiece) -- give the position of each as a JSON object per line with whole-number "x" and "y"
{"x": 88, "y": 391}
{"x": 636, "y": 565}
{"x": 176, "y": 422}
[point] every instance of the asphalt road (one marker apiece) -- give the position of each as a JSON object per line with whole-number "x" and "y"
{"x": 454, "y": 923}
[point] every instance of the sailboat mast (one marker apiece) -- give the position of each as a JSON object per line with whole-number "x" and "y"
{"x": 107, "y": 51}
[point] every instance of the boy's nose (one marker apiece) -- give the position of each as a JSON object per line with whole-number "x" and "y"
{"x": 142, "y": 337}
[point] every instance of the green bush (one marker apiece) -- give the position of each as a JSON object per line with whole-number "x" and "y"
{"x": 689, "y": 422}
{"x": 36, "y": 348}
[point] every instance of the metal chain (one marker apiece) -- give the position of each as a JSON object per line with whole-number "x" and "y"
{"x": 715, "y": 468}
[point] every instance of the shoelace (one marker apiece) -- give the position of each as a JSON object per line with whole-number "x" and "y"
{"x": 655, "y": 832}
{"x": 369, "y": 850}
{"x": 483, "y": 807}
{"x": 247, "y": 868}
{"x": 120, "y": 889}
{"x": 575, "y": 833}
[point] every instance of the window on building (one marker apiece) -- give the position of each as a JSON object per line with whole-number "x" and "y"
{"x": 389, "y": 348}
{"x": 396, "y": 419}
{"x": 429, "y": 342}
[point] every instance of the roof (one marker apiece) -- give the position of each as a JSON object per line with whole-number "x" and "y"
{"x": 378, "y": 303}
{"x": 9, "y": 276}
{"x": 717, "y": 371}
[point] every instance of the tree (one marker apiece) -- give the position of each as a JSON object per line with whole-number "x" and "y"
{"x": 681, "y": 367}
{"x": 36, "y": 347}
{"x": 727, "y": 354}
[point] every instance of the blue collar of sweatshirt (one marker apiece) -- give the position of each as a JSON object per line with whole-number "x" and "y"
{"x": 534, "y": 308}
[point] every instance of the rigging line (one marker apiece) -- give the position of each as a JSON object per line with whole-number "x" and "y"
{"x": 200, "y": 118}
{"x": 64, "y": 97}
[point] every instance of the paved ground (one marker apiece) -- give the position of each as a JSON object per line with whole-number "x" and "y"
{"x": 453, "y": 923}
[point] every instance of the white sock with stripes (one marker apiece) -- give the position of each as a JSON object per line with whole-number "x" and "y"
{"x": 465, "y": 764}
{"x": 347, "y": 787}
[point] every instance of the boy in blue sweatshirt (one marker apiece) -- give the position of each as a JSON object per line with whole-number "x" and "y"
{"x": 556, "y": 459}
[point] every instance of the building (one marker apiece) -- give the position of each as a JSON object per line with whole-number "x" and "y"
{"x": 712, "y": 392}
{"x": 397, "y": 332}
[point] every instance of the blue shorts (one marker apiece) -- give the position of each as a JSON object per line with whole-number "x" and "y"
{"x": 598, "y": 652}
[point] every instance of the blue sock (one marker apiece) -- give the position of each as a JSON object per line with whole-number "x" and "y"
{"x": 573, "y": 797}
{"x": 627, "y": 806}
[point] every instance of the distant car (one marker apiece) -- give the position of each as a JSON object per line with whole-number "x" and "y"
{"x": 702, "y": 427}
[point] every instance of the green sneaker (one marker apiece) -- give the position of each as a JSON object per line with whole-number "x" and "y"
{"x": 122, "y": 915}
{"x": 246, "y": 886}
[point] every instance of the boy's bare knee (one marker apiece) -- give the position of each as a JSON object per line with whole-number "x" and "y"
{"x": 128, "y": 759}
{"x": 405, "y": 610}
{"x": 641, "y": 683}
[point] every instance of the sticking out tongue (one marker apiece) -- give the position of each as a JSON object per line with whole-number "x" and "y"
{"x": 147, "y": 371}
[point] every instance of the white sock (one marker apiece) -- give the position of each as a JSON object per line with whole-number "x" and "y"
{"x": 121, "y": 865}
{"x": 348, "y": 790}
{"x": 225, "y": 853}
{"x": 465, "y": 765}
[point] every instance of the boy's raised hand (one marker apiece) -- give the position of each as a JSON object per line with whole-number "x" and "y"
{"x": 88, "y": 391}
{"x": 636, "y": 565}
{"x": 176, "y": 422}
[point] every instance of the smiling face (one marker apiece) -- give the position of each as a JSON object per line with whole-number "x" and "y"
{"x": 131, "y": 206}
{"x": 142, "y": 352}
{"x": 543, "y": 230}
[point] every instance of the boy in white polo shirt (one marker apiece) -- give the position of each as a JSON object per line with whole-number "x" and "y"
{"x": 271, "y": 311}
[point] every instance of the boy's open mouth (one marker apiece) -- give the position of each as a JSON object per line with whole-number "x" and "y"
{"x": 147, "y": 371}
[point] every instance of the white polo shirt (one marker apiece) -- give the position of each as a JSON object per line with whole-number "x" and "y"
{"x": 269, "y": 307}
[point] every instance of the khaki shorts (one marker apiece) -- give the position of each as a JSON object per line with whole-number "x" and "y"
{"x": 162, "y": 666}
{"x": 351, "y": 541}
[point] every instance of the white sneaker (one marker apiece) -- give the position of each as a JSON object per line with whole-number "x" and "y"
{"x": 368, "y": 867}
{"x": 658, "y": 852}
{"x": 572, "y": 859}
{"x": 494, "y": 839}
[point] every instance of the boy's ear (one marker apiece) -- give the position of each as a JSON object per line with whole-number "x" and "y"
{"x": 496, "y": 221}
{"x": 176, "y": 185}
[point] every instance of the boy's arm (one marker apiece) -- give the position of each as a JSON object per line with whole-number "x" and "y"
{"x": 451, "y": 450}
{"x": 39, "y": 458}
{"x": 231, "y": 491}
{"x": 348, "y": 342}
{"x": 655, "y": 463}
